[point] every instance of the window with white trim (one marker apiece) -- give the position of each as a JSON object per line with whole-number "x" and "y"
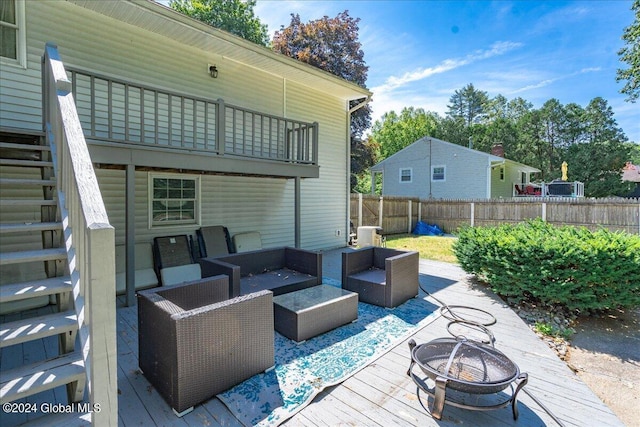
{"x": 438, "y": 173}
{"x": 174, "y": 199}
{"x": 406, "y": 175}
{"x": 502, "y": 173}
{"x": 12, "y": 32}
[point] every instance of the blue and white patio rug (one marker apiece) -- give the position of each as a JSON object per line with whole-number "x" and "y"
{"x": 304, "y": 370}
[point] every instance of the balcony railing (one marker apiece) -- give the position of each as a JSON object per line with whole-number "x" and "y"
{"x": 549, "y": 189}
{"x": 118, "y": 111}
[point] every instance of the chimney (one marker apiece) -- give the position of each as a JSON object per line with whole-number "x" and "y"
{"x": 497, "y": 150}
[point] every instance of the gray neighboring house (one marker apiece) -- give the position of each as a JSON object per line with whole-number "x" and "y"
{"x": 433, "y": 168}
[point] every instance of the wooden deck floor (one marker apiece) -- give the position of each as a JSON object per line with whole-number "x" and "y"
{"x": 382, "y": 394}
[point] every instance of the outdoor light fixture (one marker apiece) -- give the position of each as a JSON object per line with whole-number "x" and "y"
{"x": 213, "y": 71}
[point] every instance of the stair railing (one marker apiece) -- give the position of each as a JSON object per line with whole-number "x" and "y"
{"x": 88, "y": 237}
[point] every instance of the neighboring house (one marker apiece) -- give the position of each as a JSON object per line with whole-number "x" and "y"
{"x": 631, "y": 173}
{"x": 186, "y": 126}
{"x": 432, "y": 168}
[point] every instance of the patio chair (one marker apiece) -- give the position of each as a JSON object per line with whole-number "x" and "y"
{"x": 195, "y": 343}
{"x": 381, "y": 276}
{"x": 213, "y": 241}
{"x": 171, "y": 251}
{"x": 174, "y": 261}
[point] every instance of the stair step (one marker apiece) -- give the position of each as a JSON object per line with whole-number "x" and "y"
{"x": 52, "y": 254}
{"x": 25, "y": 146}
{"x": 29, "y": 226}
{"x": 28, "y": 163}
{"x": 38, "y": 327}
{"x": 45, "y": 375}
{"x": 28, "y": 182}
{"x": 29, "y": 202}
{"x": 35, "y": 288}
{"x": 75, "y": 419}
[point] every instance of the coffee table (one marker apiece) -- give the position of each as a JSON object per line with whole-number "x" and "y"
{"x": 303, "y": 314}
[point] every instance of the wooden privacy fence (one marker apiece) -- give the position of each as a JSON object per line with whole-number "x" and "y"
{"x": 398, "y": 215}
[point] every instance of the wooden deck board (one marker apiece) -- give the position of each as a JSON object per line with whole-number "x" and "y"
{"x": 381, "y": 394}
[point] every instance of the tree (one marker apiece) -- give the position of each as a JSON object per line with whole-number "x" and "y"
{"x": 630, "y": 54}
{"x": 392, "y": 133}
{"x": 234, "y": 16}
{"x": 468, "y": 104}
{"x": 332, "y": 45}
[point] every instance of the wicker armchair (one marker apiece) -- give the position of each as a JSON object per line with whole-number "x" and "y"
{"x": 381, "y": 276}
{"x": 195, "y": 343}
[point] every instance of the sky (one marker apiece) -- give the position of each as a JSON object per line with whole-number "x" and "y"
{"x": 420, "y": 52}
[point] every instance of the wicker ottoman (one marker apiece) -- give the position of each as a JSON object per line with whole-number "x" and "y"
{"x": 303, "y": 314}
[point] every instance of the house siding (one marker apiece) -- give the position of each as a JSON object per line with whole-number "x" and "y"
{"x": 324, "y": 204}
{"x": 466, "y": 171}
{"x": 108, "y": 47}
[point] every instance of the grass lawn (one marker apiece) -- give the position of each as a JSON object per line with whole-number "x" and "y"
{"x": 430, "y": 247}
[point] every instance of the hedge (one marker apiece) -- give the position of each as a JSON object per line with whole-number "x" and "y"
{"x": 573, "y": 267}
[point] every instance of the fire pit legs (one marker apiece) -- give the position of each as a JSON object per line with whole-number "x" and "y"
{"x": 522, "y": 380}
{"x": 438, "y": 392}
{"x": 440, "y": 398}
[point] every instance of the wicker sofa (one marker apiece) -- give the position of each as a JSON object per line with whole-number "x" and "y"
{"x": 381, "y": 276}
{"x": 195, "y": 343}
{"x": 280, "y": 270}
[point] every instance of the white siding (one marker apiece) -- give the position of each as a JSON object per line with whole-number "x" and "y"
{"x": 92, "y": 42}
{"x": 239, "y": 203}
{"x": 324, "y": 200}
{"x": 466, "y": 171}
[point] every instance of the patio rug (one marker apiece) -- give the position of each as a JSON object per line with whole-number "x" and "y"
{"x": 304, "y": 370}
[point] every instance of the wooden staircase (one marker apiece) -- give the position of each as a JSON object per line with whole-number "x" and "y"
{"x": 36, "y": 289}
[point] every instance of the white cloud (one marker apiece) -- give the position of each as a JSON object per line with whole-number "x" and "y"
{"x": 547, "y": 82}
{"x": 394, "y": 82}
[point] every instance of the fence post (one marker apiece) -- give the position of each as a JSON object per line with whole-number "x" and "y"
{"x": 409, "y": 226}
{"x": 380, "y": 207}
{"x": 473, "y": 213}
{"x": 544, "y": 211}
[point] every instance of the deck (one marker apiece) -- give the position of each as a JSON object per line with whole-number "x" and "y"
{"x": 382, "y": 394}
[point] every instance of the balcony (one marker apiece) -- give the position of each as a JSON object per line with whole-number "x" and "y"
{"x": 125, "y": 123}
{"x": 555, "y": 188}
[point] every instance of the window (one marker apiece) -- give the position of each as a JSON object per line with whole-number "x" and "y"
{"x": 406, "y": 175}
{"x": 501, "y": 173}
{"x": 524, "y": 178}
{"x": 174, "y": 199}
{"x": 438, "y": 173}
{"x": 12, "y": 32}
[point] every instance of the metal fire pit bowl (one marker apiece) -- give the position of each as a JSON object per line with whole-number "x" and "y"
{"x": 468, "y": 367}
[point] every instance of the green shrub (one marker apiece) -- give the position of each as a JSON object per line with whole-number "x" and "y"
{"x": 573, "y": 267}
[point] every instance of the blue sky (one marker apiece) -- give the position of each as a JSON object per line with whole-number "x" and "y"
{"x": 420, "y": 52}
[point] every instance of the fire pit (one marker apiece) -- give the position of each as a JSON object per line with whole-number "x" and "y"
{"x": 469, "y": 369}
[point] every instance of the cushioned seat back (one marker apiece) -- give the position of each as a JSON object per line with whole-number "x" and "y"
{"x": 180, "y": 274}
{"x": 249, "y": 241}
{"x": 213, "y": 241}
{"x": 171, "y": 251}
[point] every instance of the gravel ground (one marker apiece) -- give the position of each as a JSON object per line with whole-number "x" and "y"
{"x": 604, "y": 351}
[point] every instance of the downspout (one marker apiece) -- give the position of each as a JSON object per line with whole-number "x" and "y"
{"x": 352, "y": 110}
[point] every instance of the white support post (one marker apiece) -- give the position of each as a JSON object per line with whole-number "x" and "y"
{"x": 380, "y": 207}
{"x": 359, "y": 209}
{"x": 544, "y": 212}
{"x": 473, "y": 214}
{"x": 410, "y": 215}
